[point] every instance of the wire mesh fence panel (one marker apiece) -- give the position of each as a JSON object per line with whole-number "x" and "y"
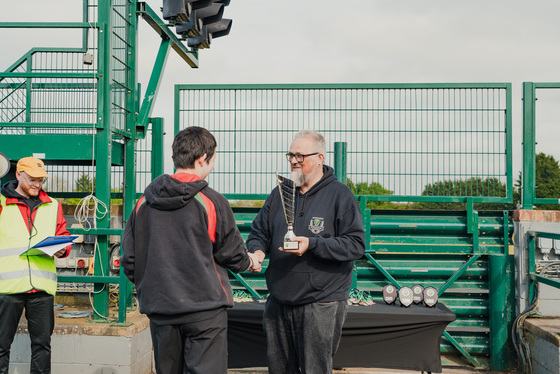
{"x": 541, "y": 172}
{"x": 421, "y": 141}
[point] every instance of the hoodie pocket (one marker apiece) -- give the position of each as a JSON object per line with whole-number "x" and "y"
{"x": 291, "y": 287}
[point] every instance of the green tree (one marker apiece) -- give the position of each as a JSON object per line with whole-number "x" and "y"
{"x": 469, "y": 187}
{"x": 517, "y": 187}
{"x": 547, "y": 180}
{"x": 374, "y": 188}
{"x": 84, "y": 184}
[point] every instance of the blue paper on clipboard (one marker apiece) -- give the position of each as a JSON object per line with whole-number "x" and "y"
{"x": 50, "y": 245}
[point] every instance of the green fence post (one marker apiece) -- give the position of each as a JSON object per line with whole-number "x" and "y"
{"x": 529, "y": 157}
{"x": 498, "y": 287}
{"x": 340, "y": 161}
{"x": 366, "y": 220}
{"x": 157, "y": 147}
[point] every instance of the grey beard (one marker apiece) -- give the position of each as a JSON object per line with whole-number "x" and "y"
{"x": 298, "y": 178}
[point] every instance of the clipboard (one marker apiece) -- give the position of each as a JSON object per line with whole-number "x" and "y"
{"x": 49, "y": 246}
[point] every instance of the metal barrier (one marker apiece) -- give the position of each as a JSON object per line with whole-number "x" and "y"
{"x": 531, "y": 195}
{"x": 406, "y": 142}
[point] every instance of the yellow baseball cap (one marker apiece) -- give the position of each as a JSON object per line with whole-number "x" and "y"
{"x": 33, "y": 167}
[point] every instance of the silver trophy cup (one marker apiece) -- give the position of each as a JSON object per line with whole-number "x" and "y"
{"x": 287, "y": 190}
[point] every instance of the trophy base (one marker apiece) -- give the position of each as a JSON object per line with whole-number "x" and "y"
{"x": 291, "y": 245}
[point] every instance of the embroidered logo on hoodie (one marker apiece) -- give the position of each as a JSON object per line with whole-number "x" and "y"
{"x": 317, "y": 225}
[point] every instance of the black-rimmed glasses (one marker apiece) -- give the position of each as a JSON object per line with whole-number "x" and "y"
{"x": 299, "y": 157}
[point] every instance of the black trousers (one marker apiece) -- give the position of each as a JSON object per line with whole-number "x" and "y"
{"x": 194, "y": 348}
{"x": 39, "y": 311}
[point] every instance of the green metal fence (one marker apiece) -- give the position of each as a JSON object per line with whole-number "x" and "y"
{"x": 414, "y": 142}
{"x": 531, "y": 194}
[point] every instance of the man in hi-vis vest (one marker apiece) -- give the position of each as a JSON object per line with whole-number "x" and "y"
{"x": 27, "y": 216}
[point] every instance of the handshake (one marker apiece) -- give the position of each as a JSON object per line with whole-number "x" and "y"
{"x": 257, "y": 259}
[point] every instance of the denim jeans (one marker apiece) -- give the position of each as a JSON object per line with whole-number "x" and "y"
{"x": 39, "y": 312}
{"x": 302, "y": 338}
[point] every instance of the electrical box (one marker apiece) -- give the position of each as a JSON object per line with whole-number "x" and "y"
{"x": 60, "y": 262}
{"x": 115, "y": 263}
{"x": 72, "y": 262}
{"x": 80, "y": 238}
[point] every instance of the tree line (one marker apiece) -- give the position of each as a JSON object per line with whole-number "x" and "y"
{"x": 547, "y": 181}
{"x": 547, "y": 172}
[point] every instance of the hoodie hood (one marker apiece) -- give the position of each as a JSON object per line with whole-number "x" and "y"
{"x": 328, "y": 177}
{"x": 168, "y": 193}
{"x": 9, "y": 189}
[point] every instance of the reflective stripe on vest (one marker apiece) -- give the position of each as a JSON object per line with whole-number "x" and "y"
{"x": 20, "y": 274}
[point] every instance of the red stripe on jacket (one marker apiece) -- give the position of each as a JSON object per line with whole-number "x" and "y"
{"x": 211, "y": 209}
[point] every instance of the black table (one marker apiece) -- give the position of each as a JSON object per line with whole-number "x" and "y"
{"x": 377, "y": 336}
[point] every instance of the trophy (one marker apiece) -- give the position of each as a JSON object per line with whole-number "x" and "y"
{"x": 417, "y": 294}
{"x": 389, "y": 294}
{"x": 287, "y": 191}
{"x": 405, "y": 296}
{"x": 430, "y": 296}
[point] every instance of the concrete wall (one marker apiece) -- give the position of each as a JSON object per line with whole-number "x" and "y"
{"x": 543, "y": 339}
{"x": 82, "y": 347}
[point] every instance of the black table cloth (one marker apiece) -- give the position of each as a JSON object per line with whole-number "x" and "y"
{"x": 376, "y": 336}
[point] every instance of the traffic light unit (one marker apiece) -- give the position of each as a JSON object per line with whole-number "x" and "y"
{"x": 198, "y": 21}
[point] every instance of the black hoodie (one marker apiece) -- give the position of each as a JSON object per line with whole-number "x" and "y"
{"x": 168, "y": 251}
{"x": 329, "y": 215}
{"x": 9, "y": 190}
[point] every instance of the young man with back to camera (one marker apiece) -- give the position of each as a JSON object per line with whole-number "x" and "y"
{"x": 179, "y": 242}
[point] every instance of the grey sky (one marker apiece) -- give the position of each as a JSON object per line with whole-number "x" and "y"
{"x": 354, "y": 41}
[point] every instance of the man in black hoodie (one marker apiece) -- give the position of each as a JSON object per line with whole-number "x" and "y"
{"x": 309, "y": 286}
{"x": 178, "y": 243}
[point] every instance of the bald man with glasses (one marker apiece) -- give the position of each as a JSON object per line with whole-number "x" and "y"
{"x": 309, "y": 286}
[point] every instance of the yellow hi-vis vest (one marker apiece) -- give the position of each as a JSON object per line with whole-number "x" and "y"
{"x": 20, "y": 274}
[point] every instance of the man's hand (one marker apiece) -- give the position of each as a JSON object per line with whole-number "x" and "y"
{"x": 257, "y": 259}
{"x": 60, "y": 253}
{"x": 302, "y": 247}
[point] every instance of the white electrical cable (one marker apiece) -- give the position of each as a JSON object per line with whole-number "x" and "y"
{"x": 85, "y": 207}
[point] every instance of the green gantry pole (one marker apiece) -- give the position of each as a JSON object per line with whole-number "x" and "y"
{"x": 103, "y": 140}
